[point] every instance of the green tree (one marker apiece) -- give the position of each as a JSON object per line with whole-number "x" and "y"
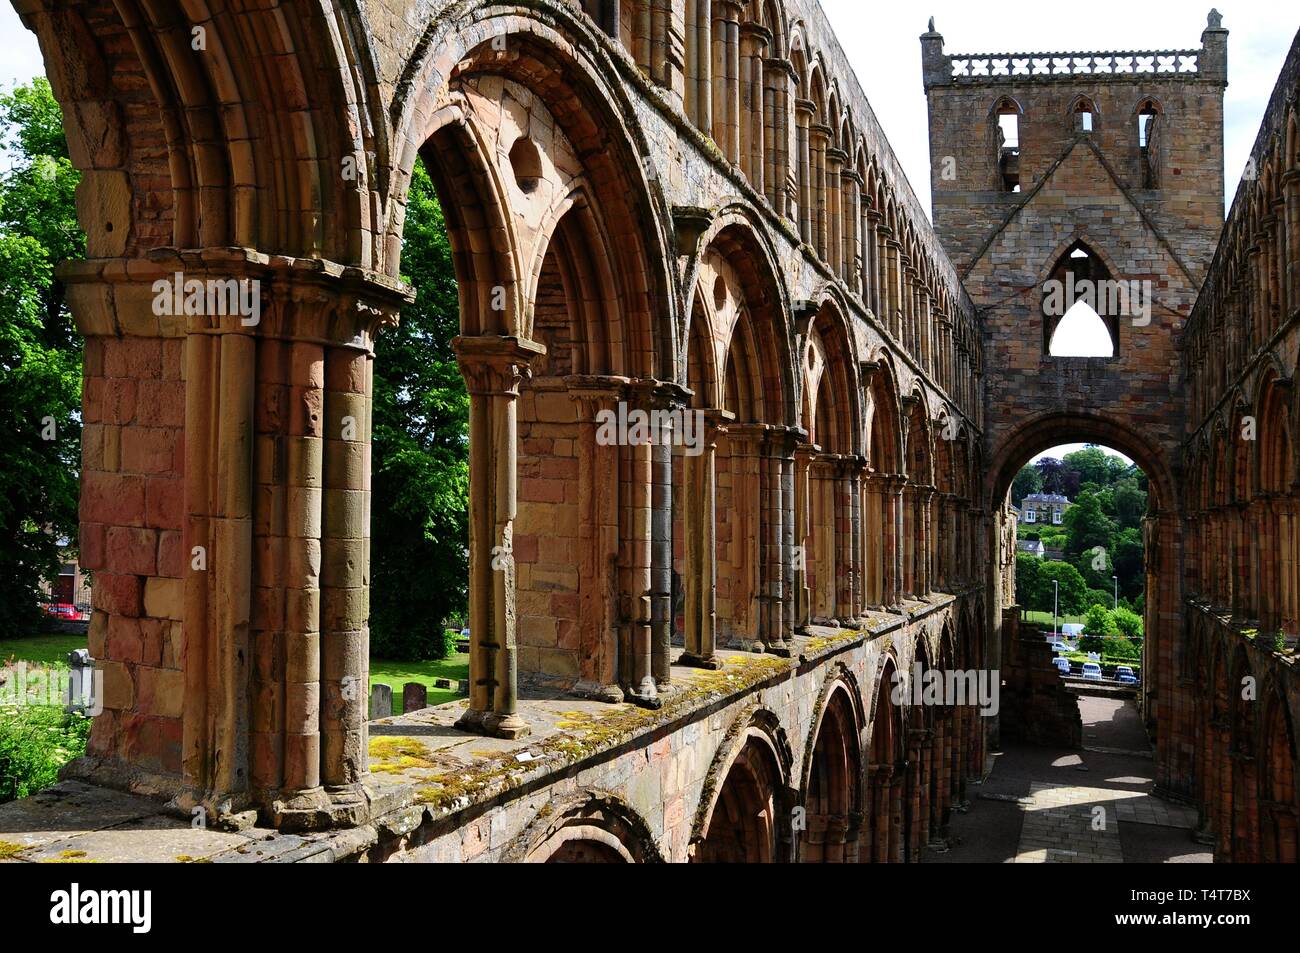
{"x": 1127, "y": 554}
{"x": 1099, "y": 623}
{"x": 1028, "y": 480}
{"x": 1120, "y": 648}
{"x": 1088, "y": 525}
{"x": 40, "y": 351}
{"x": 419, "y": 556}
{"x": 1130, "y": 503}
{"x": 1094, "y": 465}
{"x": 1071, "y": 585}
{"x": 1029, "y": 582}
{"x": 1128, "y": 622}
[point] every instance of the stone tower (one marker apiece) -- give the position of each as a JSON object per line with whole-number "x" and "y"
{"x": 1093, "y": 177}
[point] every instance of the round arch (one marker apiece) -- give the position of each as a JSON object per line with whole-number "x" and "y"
{"x": 590, "y": 827}
{"x": 1053, "y": 429}
{"x": 833, "y": 779}
{"x": 745, "y": 794}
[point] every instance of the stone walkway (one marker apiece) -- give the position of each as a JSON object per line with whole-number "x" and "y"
{"x": 1095, "y": 806}
{"x": 1080, "y": 825}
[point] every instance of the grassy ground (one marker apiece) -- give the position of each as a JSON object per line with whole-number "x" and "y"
{"x": 37, "y": 740}
{"x": 397, "y": 674}
{"x": 1045, "y": 618}
{"x": 41, "y": 649}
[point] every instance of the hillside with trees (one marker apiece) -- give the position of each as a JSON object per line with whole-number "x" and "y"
{"x": 1100, "y": 537}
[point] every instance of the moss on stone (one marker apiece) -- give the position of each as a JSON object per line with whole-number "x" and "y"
{"x": 9, "y": 850}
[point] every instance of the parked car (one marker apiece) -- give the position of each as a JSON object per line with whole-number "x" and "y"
{"x": 1062, "y": 664}
{"x": 63, "y": 610}
{"x": 1092, "y": 670}
{"x": 1124, "y": 673}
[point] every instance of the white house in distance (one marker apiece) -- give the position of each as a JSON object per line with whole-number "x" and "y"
{"x": 1044, "y": 508}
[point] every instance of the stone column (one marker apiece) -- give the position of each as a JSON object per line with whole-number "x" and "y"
{"x": 894, "y": 503}
{"x": 778, "y": 110}
{"x": 699, "y": 64}
{"x": 853, "y": 234}
{"x": 822, "y": 532}
{"x": 819, "y": 141}
{"x": 756, "y": 110}
{"x": 872, "y": 246}
{"x": 834, "y": 254}
{"x": 876, "y": 539}
{"x": 670, "y": 401}
{"x": 636, "y": 534}
{"x": 700, "y": 530}
{"x": 804, "y": 111}
{"x": 667, "y": 43}
{"x": 925, "y": 496}
{"x": 345, "y": 568}
{"x": 857, "y": 523}
{"x": 493, "y": 368}
{"x": 598, "y": 539}
{"x": 726, "y": 74}
{"x": 776, "y": 532}
{"x": 805, "y": 491}
{"x": 845, "y": 609}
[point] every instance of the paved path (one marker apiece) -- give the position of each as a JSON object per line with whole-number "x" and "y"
{"x": 1044, "y": 805}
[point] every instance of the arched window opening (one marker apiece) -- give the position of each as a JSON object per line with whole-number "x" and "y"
{"x": 1082, "y": 306}
{"x": 1084, "y": 116}
{"x": 1007, "y": 156}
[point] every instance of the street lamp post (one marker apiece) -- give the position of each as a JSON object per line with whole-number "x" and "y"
{"x": 1115, "y": 580}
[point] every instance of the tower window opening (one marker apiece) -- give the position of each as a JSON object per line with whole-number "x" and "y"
{"x": 1008, "y": 145}
{"x": 1148, "y": 152}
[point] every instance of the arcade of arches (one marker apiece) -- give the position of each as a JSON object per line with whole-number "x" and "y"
{"x": 675, "y": 206}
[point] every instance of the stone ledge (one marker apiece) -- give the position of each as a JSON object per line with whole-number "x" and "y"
{"x": 424, "y": 772}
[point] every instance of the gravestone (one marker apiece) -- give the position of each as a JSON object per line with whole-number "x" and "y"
{"x": 381, "y": 700}
{"x": 414, "y": 697}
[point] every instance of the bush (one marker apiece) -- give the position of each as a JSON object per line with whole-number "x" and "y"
{"x": 1128, "y": 622}
{"x": 1100, "y": 622}
{"x": 1120, "y": 649}
{"x": 35, "y": 741}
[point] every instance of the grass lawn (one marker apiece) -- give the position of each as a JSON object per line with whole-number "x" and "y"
{"x": 1045, "y": 618}
{"x": 397, "y": 674}
{"x": 50, "y": 649}
{"x": 54, "y": 649}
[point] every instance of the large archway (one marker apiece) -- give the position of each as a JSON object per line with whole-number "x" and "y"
{"x": 1163, "y": 644}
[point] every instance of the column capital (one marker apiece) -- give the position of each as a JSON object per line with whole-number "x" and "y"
{"x": 495, "y": 365}
{"x": 171, "y": 292}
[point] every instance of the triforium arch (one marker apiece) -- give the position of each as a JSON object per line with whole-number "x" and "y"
{"x": 830, "y": 466}
{"x": 739, "y": 524}
{"x": 567, "y": 314}
{"x": 918, "y": 493}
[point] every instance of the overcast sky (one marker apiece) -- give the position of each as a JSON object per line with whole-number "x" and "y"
{"x": 883, "y": 46}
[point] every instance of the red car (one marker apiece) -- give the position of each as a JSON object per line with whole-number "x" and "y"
{"x": 63, "y": 610}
